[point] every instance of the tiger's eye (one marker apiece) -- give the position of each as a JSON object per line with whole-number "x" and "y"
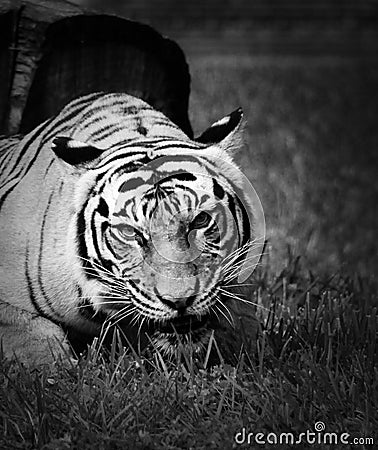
{"x": 126, "y": 231}
{"x": 202, "y": 220}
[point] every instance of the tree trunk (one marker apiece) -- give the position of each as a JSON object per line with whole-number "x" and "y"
{"x": 54, "y": 51}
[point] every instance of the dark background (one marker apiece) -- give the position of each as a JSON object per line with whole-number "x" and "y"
{"x": 306, "y": 75}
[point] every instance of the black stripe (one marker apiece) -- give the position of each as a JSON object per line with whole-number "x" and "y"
{"x": 39, "y": 270}
{"x": 48, "y": 168}
{"x": 91, "y": 116}
{"x": 246, "y": 223}
{"x": 134, "y": 110}
{"x": 175, "y": 145}
{"x": 108, "y": 160}
{"x": 82, "y": 246}
{"x": 144, "y": 294}
{"x": 94, "y": 238}
{"x": 218, "y": 189}
{"x": 8, "y": 153}
{"x": 183, "y": 175}
{"x": 27, "y": 145}
{"x": 103, "y": 208}
{"x": 187, "y": 189}
{"x": 105, "y": 263}
{"x": 31, "y": 293}
{"x": 144, "y": 208}
{"x": 99, "y": 186}
{"x": 105, "y": 129}
{"x": 71, "y": 113}
{"x": 23, "y": 149}
{"x": 232, "y": 207}
{"x": 156, "y": 144}
{"x": 166, "y": 123}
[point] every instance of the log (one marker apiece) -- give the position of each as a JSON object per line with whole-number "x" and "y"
{"x": 52, "y": 52}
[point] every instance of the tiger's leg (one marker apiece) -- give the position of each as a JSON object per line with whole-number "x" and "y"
{"x": 33, "y": 340}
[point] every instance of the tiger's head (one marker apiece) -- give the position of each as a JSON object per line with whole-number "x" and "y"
{"x": 162, "y": 227}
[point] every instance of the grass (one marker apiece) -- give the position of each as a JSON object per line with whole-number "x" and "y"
{"x": 312, "y": 158}
{"x": 315, "y": 360}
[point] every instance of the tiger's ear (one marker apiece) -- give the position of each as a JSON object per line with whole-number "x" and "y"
{"x": 74, "y": 152}
{"x": 226, "y": 131}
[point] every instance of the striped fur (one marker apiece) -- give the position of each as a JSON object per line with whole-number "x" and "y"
{"x": 100, "y": 218}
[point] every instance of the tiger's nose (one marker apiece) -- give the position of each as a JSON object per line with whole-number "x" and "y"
{"x": 178, "y": 303}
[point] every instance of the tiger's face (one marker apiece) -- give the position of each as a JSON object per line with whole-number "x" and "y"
{"x": 170, "y": 239}
{"x": 164, "y": 231}
{"x": 167, "y": 236}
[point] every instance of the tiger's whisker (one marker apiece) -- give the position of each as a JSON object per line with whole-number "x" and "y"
{"x": 243, "y": 300}
{"x": 223, "y": 314}
{"x": 233, "y": 263}
{"x": 237, "y": 285}
{"x": 227, "y": 311}
{"x": 229, "y": 294}
{"x": 140, "y": 325}
{"x": 100, "y": 304}
{"x": 123, "y": 314}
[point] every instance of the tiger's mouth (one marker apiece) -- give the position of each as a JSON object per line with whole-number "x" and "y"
{"x": 182, "y": 324}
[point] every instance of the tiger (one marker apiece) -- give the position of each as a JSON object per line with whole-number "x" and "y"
{"x": 111, "y": 215}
